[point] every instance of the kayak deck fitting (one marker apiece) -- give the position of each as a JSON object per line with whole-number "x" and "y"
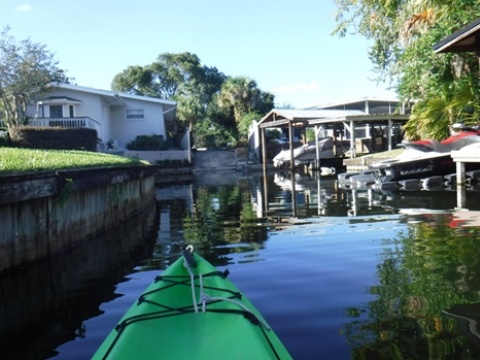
{"x": 192, "y": 311}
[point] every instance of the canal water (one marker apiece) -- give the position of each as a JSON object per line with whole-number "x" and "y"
{"x": 338, "y": 274}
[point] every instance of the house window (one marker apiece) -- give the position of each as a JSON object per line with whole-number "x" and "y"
{"x": 135, "y": 114}
{"x": 56, "y": 111}
{"x": 70, "y": 111}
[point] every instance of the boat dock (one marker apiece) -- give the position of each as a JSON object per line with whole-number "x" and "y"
{"x": 363, "y": 162}
{"x": 460, "y": 157}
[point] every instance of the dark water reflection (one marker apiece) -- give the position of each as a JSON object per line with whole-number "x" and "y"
{"x": 338, "y": 274}
{"x": 45, "y": 304}
{"x": 427, "y": 296}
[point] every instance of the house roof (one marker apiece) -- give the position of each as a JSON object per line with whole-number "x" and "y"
{"x": 465, "y": 39}
{"x": 169, "y": 107}
{"x": 59, "y": 100}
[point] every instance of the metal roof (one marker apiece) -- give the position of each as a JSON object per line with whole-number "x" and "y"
{"x": 462, "y": 40}
{"x": 358, "y": 102}
{"x": 282, "y": 118}
{"x": 364, "y": 119}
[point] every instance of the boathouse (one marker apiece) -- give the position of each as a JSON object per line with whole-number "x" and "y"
{"x": 366, "y": 125}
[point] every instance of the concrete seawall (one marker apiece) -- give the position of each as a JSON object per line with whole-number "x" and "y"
{"x": 46, "y": 213}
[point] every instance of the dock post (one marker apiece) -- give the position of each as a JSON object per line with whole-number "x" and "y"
{"x": 460, "y": 185}
{"x": 460, "y": 173}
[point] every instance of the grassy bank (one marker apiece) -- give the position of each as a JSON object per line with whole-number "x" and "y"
{"x": 14, "y": 160}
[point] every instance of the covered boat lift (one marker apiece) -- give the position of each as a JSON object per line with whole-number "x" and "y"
{"x": 465, "y": 39}
{"x": 325, "y": 119}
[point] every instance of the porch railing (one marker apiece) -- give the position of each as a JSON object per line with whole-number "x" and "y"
{"x": 67, "y": 122}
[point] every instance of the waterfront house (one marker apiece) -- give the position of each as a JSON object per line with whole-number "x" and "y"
{"x": 118, "y": 117}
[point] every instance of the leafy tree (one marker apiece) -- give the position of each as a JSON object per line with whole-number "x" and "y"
{"x": 171, "y": 71}
{"x": 403, "y": 34}
{"x": 162, "y": 78}
{"x": 135, "y": 80}
{"x": 189, "y": 108}
{"x": 246, "y": 100}
{"x": 211, "y": 84}
{"x": 26, "y": 71}
{"x": 195, "y": 96}
{"x": 245, "y": 122}
{"x": 239, "y": 93}
{"x": 179, "y": 77}
{"x": 208, "y": 102}
{"x": 218, "y": 129}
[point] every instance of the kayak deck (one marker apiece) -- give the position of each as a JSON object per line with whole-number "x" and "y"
{"x": 192, "y": 311}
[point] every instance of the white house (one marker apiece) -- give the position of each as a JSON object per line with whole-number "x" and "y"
{"x": 116, "y": 116}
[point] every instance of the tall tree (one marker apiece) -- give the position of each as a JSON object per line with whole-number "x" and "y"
{"x": 211, "y": 83}
{"x": 165, "y": 76}
{"x": 243, "y": 96}
{"x": 135, "y": 80}
{"x": 208, "y": 102}
{"x": 179, "y": 77}
{"x": 247, "y": 101}
{"x": 26, "y": 71}
{"x": 402, "y": 35}
{"x": 239, "y": 93}
{"x": 189, "y": 107}
{"x": 171, "y": 71}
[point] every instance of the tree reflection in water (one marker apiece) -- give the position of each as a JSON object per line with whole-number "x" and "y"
{"x": 224, "y": 217}
{"x": 427, "y": 277}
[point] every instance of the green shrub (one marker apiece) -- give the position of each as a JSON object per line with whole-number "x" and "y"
{"x": 54, "y": 138}
{"x": 147, "y": 143}
{"x": 4, "y": 138}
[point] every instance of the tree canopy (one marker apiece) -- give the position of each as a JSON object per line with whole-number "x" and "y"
{"x": 212, "y": 105}
{"x": 26, "y": 71}
{"x": 242, "y": 95}
{"x": 445, "y": 87}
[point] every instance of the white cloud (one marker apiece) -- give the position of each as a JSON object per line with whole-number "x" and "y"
{"x": 283, "y": 89}
{"x": 24, "y": 8}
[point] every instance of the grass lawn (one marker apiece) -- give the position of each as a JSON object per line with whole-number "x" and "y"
{"x": 15, "y": 160}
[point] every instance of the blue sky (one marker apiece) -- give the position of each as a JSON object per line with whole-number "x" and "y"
{"x": 285, "y": 46}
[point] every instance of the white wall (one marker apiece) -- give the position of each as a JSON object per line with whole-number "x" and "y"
{"x": 124, "y": 130}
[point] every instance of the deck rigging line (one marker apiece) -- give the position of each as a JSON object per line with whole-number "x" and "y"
{"x": 165, "y": 310}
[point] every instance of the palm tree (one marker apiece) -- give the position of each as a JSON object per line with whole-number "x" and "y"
{"x": 189, "y": 109}
{"x": 431, "y": 118}
{"x": 240, "y": 93}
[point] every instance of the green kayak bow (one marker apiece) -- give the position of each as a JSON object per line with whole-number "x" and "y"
{"x": 192, "y": 311}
